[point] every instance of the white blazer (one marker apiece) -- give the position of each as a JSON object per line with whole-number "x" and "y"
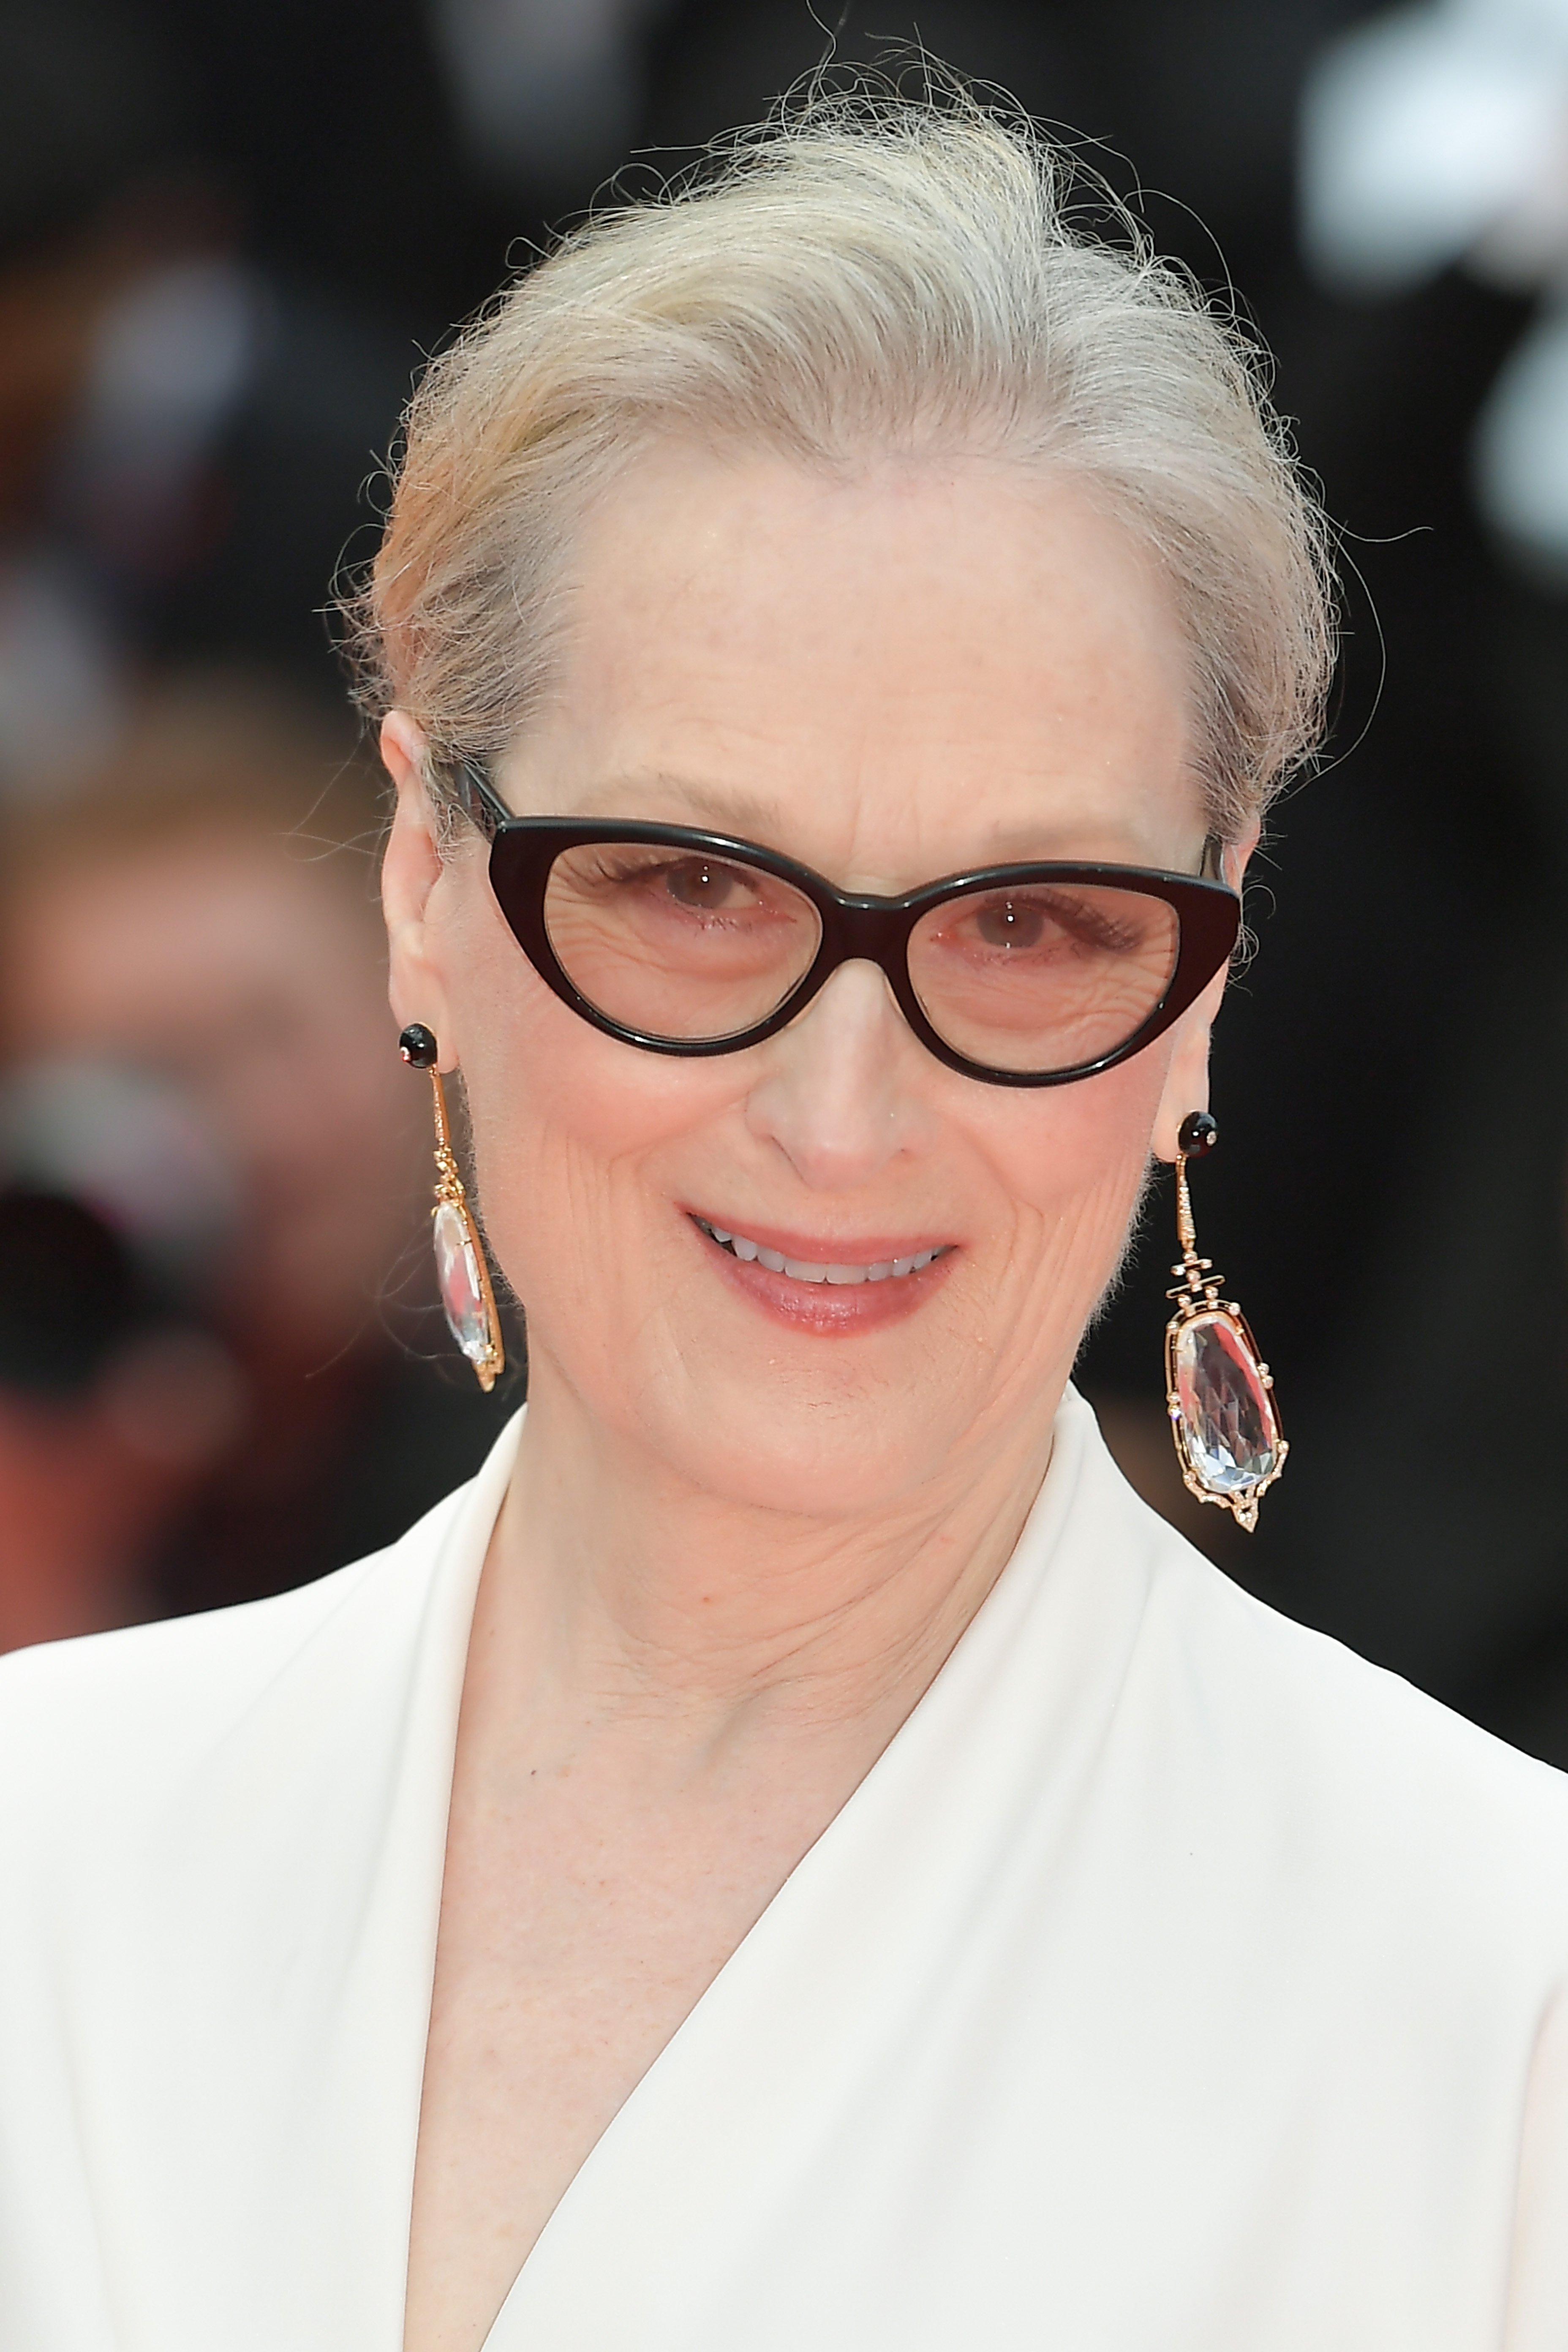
{"x": 1176, "y": 1982}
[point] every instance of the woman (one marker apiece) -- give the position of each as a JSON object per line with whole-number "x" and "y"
{"x": 796, "y": 1852}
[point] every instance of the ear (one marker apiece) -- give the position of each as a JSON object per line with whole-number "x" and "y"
{"x": 1187, "y": 1080}
{"x": 410, "y": 871}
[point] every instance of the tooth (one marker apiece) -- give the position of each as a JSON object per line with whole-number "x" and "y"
{"x": 924, "y": 1258}
{"x": 719, "y": 1234}
{"x": 846, "y": 1274}
{"x": 772, "y": 1259}
{"x": 804, "y": 1273}
{"x": 903, "y": 1264}
{"x": 880, "y": 1273}
{"x": 742, "y": 1247}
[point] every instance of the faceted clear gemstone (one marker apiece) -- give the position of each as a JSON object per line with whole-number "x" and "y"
{"x": 462, "y": 1294}
{"x": 1228, "y": 1420}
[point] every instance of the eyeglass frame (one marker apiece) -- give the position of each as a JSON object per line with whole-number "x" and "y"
{"x": 857, "y": 927}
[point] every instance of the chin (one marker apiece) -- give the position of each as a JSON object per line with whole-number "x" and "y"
{"x": 835, "y": 1454}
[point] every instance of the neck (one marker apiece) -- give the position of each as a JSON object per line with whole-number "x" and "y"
{"x": 617, "y": 1591}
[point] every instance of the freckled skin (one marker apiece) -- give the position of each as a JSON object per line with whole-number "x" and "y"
{"x": 737, "y": 1547}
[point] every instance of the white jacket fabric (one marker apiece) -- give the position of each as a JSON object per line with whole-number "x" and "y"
{"x": 1174, "y": 1982}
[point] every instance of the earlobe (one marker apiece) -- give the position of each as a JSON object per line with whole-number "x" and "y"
{"x": 411, "y": 867}
{"x": 1188, "y": 1081}
{"x": 1186, "y": 1086}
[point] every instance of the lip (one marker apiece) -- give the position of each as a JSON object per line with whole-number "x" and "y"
{"x": 832, "y": 1309}
{"x": 819, "y": 1249}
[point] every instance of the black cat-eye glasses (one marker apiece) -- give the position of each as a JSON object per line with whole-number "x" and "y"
{"x": 683, "y": 941}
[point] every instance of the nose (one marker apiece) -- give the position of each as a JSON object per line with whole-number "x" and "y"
{"x": 840, "y": 1093}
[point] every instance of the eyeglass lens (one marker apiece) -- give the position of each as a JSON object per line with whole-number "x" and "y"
{"x": 694, "y": 949}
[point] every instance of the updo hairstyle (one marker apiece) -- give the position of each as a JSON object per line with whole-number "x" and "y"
{"x": 864, "y": 277}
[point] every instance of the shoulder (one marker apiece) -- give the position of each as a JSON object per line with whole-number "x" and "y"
{"x": 97, "y": 1729}
{"x": 1351, "y": 1772}
{"x": 1354, "y": 1724}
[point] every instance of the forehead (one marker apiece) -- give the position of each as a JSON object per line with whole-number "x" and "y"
{"x": 924, "y": 660}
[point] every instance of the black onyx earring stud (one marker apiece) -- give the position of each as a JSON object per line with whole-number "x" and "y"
{"x": 1219, "y": 1391}
{"x": 460, "y": 1269}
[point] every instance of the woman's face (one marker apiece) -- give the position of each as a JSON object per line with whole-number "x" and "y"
{"x": 928, "y": 667}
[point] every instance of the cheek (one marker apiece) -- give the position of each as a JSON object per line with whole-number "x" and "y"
{"x": 1068, "y": 1174}
{"x": 565, "y": 1123}
{"x": 1082, "y": 1151}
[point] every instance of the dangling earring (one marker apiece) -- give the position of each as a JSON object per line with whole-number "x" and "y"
{"x": 460, "y": 1268}
{"x": 1218, "y": 1391}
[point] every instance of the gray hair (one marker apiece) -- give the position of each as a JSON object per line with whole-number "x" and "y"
{"x": 863, "y": 276}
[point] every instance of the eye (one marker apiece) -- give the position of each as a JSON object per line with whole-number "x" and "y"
{"x": 1055, "y": 922}
{"x": 1010, "y": 923}
{"x": 700, "y": 883}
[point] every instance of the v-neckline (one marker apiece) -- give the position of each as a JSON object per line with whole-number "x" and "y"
{"x": 465, "y": 1550}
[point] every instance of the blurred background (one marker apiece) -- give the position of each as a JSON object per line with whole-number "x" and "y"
{"x": 227, "y": 236}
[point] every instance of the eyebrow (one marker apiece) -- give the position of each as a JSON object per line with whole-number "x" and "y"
{"x": 732, "y": 809}
{"x": 725, "y": 808}
{"x": 745, "y": 815}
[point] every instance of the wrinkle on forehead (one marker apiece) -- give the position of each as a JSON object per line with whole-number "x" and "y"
{"x": 923, "y": 667}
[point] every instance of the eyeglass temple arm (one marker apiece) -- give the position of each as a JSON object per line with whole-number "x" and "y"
{"x": 479, "y": 800}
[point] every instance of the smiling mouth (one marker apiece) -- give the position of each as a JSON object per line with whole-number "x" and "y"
{"x": 897, "y": 1269}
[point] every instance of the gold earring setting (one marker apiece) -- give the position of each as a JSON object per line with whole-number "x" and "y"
{"x": 1219, "y": 1391}
{"x": 460, "y": 1268}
